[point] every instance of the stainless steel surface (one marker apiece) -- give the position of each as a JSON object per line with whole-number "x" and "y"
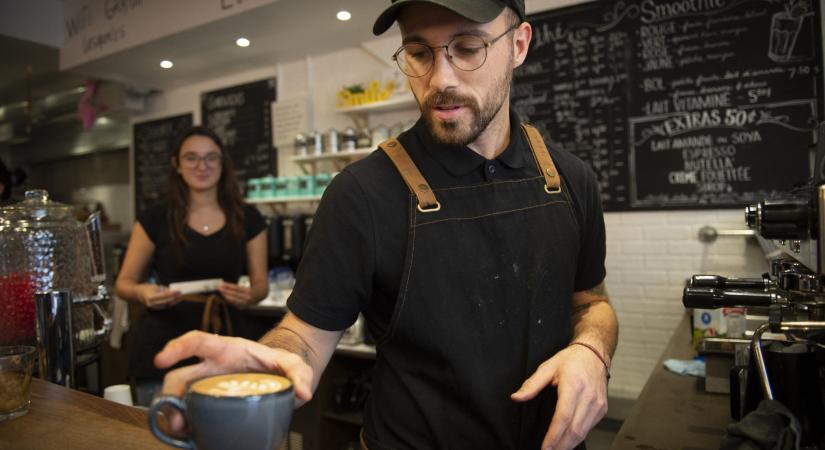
{"x": 806, "y": 254}
{"x": 55, "y": 342}
{"x": 760, "y": 361}
{"x": 709, "y": 233}
{"x": 715, "y": 281}
{"x": 94, "y": 236}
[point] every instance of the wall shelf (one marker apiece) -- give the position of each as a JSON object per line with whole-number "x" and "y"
{"x": 341, "y": 155}
{"x": 282, "y": 200}
{"x": 279, "y": 205}
{"x": 394, "y": 104}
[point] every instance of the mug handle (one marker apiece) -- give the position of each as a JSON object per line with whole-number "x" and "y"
{"x": 176, "y": 403}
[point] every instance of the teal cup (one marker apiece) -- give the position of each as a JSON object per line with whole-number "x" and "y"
{"x": 253, "y": 188}
{"x": 267, "y": 187}
{"x": 280, "y": 186}
{"x": 321, "y": 182}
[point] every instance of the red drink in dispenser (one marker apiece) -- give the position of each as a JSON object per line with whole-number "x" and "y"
{"x": 17, "y": 324}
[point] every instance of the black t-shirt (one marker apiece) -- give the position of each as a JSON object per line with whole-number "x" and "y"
{"x": 355, "y": 250}
{"x": 213, "y": 256}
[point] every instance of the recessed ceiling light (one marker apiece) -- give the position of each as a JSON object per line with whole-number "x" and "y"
{"x": 242, "y": 42}
{"x": 343, "y": 16}
{"x": 103, "y": 121}
{"x": 166, "y": 64}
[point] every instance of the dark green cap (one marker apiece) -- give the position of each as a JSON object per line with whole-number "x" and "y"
{"x": 481, "y": 11}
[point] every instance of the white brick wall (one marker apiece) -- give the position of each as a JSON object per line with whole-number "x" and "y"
{"x": 649, "y": 257}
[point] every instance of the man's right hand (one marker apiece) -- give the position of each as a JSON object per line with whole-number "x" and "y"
{"x": 222, "y": 354}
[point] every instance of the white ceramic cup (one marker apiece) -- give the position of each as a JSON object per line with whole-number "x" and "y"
{"x": 119, "y": 393}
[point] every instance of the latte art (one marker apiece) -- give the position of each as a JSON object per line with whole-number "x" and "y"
{"x": 240, "y": 385}
{"x": 236, "y": 410}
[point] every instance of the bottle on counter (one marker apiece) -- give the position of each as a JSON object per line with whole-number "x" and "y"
{"x": 364, "y": 140}
{"x": 315, "y": 144}
{"x": 380, "y": 134}
{"x": 300, "y": 144}
{"x": 349, "y": 141}
{"x": 331, "y": 141}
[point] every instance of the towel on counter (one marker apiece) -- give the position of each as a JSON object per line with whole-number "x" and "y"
{"x": 770, "y": 426}
{"x": 120, "y": 321}
{"x": 695, "y": 367}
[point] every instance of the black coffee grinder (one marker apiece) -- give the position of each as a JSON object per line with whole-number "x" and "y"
{"x": 787, "y": 350}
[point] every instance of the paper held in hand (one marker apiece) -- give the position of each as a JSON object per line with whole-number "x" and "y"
{"x": 196, "y": 286}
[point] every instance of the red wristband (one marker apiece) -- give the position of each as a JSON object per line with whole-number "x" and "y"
{"x": 595, "y": 352}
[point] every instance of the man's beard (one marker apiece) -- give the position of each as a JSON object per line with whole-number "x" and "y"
{"x": 458, "y": 132}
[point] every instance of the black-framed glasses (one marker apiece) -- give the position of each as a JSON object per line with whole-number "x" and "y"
{"x": 192, "y": 160}
{"x": 465, "y": 52}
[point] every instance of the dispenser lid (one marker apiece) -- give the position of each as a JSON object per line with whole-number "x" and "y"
{"x": 37, "y": 208}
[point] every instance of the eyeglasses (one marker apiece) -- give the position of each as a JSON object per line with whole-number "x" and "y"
{"x": 465, "y": 52}
{"x": 192, "y": 160}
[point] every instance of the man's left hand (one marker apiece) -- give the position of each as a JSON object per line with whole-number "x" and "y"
{"x": 581, "y": 380}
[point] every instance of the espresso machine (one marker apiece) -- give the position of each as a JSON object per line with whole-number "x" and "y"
{"x": 787, "y": 349}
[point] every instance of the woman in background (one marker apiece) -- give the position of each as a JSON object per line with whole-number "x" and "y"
{"x": 203, "y": 230}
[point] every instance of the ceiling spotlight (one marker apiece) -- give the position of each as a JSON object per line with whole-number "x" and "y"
{"x": 166, "y": 64}
{"x": 343, "y": 16}
{"x": 242, "y": 42}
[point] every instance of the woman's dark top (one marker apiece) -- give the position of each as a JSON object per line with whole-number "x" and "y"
{"x": 213, "y": 256}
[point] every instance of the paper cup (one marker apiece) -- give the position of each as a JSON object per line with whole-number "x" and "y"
{"x": 119, "y": 393}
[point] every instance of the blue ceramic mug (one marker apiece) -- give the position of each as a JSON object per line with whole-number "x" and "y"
{"x": 232, "y": 411}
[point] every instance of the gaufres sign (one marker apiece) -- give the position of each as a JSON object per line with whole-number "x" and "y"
{"x": 97, "y": 28}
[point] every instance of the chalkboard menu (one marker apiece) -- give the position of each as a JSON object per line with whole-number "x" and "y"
{"x": 678, "y": 103}
{"x": 240, "y": 115}
{"x": 152, "y": 150}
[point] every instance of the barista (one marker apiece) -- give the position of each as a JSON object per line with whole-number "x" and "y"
{"x": 476, "y": 255}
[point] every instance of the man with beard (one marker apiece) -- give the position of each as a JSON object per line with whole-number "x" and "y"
{"x": 475, "y": 254}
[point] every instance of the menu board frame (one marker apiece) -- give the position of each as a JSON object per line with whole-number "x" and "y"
{"x": 241, "y": 116}
{"x": 677, "y": 104}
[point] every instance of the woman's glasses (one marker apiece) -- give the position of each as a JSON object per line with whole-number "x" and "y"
{"x": 192, "y": 160}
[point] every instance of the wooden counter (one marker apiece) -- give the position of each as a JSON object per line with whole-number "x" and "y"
{"x": 674, "y": 411}
{"x": 67, "y": 419}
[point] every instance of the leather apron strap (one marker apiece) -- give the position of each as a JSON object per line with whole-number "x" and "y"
{"x": 215, "y": 318}
{"x": 552, "y": 180}
{"x": 424, "y": 194}
{"x": 411, "y": 175}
